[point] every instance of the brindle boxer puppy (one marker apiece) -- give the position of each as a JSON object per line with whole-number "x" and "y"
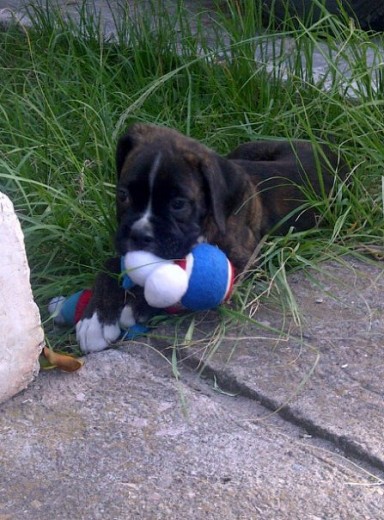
{"x": 172, "y": 192}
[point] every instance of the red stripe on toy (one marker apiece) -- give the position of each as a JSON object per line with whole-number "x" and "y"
{"x": 82, "y": 303}
{"x": 175, "y": 309}
{"x": 231, "y": 281}
{"x": 181, "y": 263}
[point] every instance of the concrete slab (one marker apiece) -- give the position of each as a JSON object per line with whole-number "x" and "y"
{"x": 122, "y": 439}
{"x": 325, "y": 374}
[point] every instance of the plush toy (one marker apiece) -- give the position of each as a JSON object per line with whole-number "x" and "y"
{"x": 200, "y": 281}
{"x": 68, "y": 311}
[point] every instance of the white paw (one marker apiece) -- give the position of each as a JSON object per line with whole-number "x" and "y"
{"x": 93, "y": 336}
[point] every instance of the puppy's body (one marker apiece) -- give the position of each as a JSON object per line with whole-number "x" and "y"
{"x": 172, "y": 192}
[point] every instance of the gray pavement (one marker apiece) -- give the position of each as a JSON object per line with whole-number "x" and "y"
{"x": 279, "y": 425}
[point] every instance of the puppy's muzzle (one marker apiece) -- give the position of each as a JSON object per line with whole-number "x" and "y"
{"x": 141, "y": 235}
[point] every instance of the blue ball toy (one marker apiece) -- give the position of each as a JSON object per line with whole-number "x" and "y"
{"x": 201, "y": 281}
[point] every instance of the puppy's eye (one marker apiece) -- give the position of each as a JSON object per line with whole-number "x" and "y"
{"x": 179, "y": 204}
{"x": 122, "y": 194}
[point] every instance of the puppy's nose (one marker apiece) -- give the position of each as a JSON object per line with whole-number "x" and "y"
{"x": 141, "y": 239}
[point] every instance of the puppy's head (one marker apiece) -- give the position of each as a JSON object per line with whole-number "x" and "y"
{"x": 168, "y": 186}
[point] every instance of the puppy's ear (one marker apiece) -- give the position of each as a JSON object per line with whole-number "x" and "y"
{"x": 217, "y": 190}
{"x": 225, "y": 187}
{"x": 124, "y": 146}
{"x": 135, "y": 135}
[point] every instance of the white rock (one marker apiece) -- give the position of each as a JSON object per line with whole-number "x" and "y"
{"x": 21, "y": 333}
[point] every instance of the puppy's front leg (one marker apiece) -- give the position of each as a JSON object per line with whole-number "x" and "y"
{"x": 110, "y": 309}
{"x": 99, "y": 326}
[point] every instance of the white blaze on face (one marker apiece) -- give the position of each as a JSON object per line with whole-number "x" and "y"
{"x": 144, "y": 225}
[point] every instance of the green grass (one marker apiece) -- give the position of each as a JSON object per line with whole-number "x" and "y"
{"x": 67, "y": 94}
